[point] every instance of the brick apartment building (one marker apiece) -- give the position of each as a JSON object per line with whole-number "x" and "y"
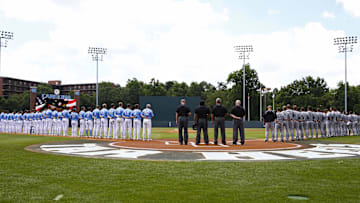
{"x": 10, "y": 86}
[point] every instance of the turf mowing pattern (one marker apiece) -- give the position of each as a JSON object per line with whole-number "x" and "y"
{"x": 35, "y": 177}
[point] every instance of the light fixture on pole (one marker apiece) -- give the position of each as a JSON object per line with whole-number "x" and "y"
{"x": 273, "y": 96}
{"x": 244, "y": 51}
{"x": 345, "y": 45}
{"x": 248, "y": 107}
{"x": 6, "y": 36}
{"x": 260, "y": 96}
{"x": 97, "y": 55}
{"x": 266, "y": 90}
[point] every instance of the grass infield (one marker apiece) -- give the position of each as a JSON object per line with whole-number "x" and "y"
{"x": 35, "y": 177}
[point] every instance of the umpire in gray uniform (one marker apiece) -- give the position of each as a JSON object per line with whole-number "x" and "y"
{"x": 182, "y": 114}
{"x": 238, "y": 113}
{"x": 201, "y": 120}
{"x": 218, "y": 120}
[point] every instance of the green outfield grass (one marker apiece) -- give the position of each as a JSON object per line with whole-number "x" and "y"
{"x": 35, "y": 177}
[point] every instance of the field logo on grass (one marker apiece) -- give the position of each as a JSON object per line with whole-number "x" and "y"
{"x": 104, "y": 150}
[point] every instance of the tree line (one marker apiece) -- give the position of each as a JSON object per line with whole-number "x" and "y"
{"x": 307, "y": 91}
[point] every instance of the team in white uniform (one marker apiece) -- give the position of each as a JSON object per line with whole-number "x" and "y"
{"x": 98, "y": 123}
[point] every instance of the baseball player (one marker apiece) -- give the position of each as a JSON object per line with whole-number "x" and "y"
{"x": 54, "y": 117}
{"x": 295, "y": 117}
{"x": 96, "y": 114}
{"x": 38, "y": 123}
{"x": 89, "y": 122}
{"x": 119, "y": 124}
{"x": 32, "y": 122}
{"x": 74, "y": 117}
{"x": 316, "y": 121}
{"x": 11, "y": 122}
{"x": 48, "y": 114}
{"x": 310, "y": 123}
{"x": 82, "y": 122}
{"x": 147, "y": 114}
{"x": 290, "y": 127}
{"x": 2, "y": 117}
{"x": 112, "y": 120}
{"x": 268, "y": 119}
{"x": 302, "y": 123}
{"x": 136, "y": 114}
{"x": 59, "y": 123}
{"x": 104, "y": 113}
{"x": 43, "y": 123}
{"x": 65, "y": 121}
{"x": 329, "y": 123}
{"x": 127, "y": 114}
{"x": 279, "y": 123}
{"x": 354, "y": 123}
{"x": 323, "y": 120}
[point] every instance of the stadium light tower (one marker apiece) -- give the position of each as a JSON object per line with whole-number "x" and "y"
{"x": 6, "y": 36}
{"x": 345, "y": 45}
{"x": 244, "y": 51}
{"x": 97, "y": 55}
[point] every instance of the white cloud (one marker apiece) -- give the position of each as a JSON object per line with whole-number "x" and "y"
{"x": 165, "y": 39}
{"x": 327, "y": 14}
{"x": 273, "y": 12}
{"x": 351, "y": 6}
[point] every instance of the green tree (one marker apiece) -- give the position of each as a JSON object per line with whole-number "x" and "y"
{"x": 44, "y": 88}
{"x": 305, "y": 92}
{"x": 252, "y": 84}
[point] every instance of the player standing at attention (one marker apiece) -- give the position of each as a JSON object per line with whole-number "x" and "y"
{"x": 268, "y": 119}
{"x": 182, "y": 114}
{"x": 147, "y": 114}
{"x": 89, "y": 124}
{"x": 218, "y": 120}
{"x": 2, "y": 122}
{"x": 291, "y": 122}
{"x": 48, "y": 114}
{"x": 39, "y": 123}
{"x": 119, "y": 124}
{"x": 104, "y": 113}
{"x": 112, "y": 120}
{"x": 279, "y": 124}
{"x": 82, "y": 122}
{"x": 96, "y": 114}
{"x": 136, "y": 114}
{"x": 301, "y": 120}
{"x": 297, "y": 118}
{"x": 127, "y": 114}
{"x": 74, "y": 117}
{"x": 43, "y": 123}
{"x": 65, "y": 121}
{"x": 59, "y": 123}
{"x": 201, "y": 116}
{"x": 54, "y": 117}
{"x": 11, "y": 122}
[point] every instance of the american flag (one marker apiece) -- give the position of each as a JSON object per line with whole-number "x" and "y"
{"x": 41, "y": 103}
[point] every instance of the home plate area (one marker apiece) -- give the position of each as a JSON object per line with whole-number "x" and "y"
{"x": 170, "y": 150}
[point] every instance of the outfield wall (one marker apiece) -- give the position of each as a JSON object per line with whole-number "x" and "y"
{"x": 165, "y": 107}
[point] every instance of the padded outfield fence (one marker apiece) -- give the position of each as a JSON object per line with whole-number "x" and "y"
{"x": 164, "y": 108}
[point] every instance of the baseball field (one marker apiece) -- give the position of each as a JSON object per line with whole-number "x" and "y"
{"x": 27, "y": 176}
